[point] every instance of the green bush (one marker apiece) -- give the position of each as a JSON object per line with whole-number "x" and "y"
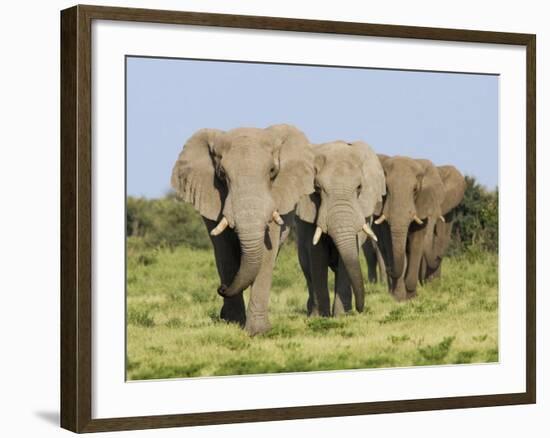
{"x": 165, "y": 222}
{"x": 476, "y": 219}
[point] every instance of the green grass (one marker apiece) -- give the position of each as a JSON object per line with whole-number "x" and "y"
{"x": 174, "y": 329}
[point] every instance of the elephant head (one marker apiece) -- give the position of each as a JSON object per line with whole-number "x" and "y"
{"x": 244, "y": 178}
{"x": 349, "y": 184}
{"x": 412, "y": 204}
{"x": 454, "y": 186}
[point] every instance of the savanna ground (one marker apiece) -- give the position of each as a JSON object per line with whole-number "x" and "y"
{"x": 174, "y": 330}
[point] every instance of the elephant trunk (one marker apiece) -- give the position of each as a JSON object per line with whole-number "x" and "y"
{"x": 252, "y": 251}
{"x": 433, "y": 250}
{"x": 345, "y": 240}
{"x": 399, "y": 245}
{"x": 432, "y": 258}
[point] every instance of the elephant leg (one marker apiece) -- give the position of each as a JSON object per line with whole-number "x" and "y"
{"x": 383, "y": 252}
{"x": 227, "y": 254}
{"x": 442, "y": 239}
{"x": 372, "y": 261}
{"x": 304, "y": 235}
{"x": 432, "y": 274}
{"x": 381, "y": 264}
{"x": 423, "y": 271}
{"x": 233, "y": 309}
{"x": 312, "y": 307}
{"x": 342, "y": 291}
{"x": 319, "y": 263}
{"x": 257, "y": 319}
{"x": 415, "y": 253}
{"x": 398, "y": 288}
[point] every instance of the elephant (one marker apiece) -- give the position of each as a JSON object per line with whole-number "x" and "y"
{"x": 411, "y": 207}
{"x": 245, "y": 183}
{"x": 375, "y": 262}
{"x": 454, "y": 187}
{"x": 333, "y": 222}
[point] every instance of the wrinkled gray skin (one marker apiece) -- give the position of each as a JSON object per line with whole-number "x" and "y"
{"x": 413, "y": 188}
{"x": 241, "y": 177}
{"x": 349, "y": 183}
{"x": 454, "y": 187}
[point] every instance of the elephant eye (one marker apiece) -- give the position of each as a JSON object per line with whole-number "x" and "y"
{"x": 274, "y": 169}
{"x": 359, "y": 187}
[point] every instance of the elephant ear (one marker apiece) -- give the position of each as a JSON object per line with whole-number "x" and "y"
{"x": 430, "y": 191}
{"x": 373, "y": 181}
{"x": 455, "y": 185}
{"x": 308, "y": 205}
{"x": 294, "y": 157}
{"x": 194, "y": 177}
{"x": 382, "y": 158}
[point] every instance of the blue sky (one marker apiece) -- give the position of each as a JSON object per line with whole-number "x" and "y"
{"x": 449, "y": 118}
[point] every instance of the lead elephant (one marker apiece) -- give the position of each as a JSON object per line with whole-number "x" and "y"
{"x": 414, "y": 193}
{"x": 245, "y": 183}
{"x": 333, "y": 222}
{"x": 435, "y": 248}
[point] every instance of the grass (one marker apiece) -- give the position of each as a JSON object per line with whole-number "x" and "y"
{"x": 174, "y": 329}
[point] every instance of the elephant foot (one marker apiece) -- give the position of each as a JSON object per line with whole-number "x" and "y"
{"x": 338, "y": 309}
{"x": 400, "y": 291}
{"x": 342, "y": 304}
{"x": 324, "y": 313}
{"x": 257, "y": 325}
{"x": 404, "y": 295}
{"x": 400, "y": 294}
{"x": 433, "y": 274}
{"x": 313, "y": 311}
{"x": 317, "y": 311}
{"x": 372, "y": 278}
{"x": 233, "y": 310}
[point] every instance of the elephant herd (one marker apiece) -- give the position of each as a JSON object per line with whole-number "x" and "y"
{"x": 249, "y": 185}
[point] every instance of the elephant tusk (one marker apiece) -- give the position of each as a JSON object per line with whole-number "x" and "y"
{"x": 277, "y": 218}
{"x": 368, "y": 231}
{"x": 380, "y": 220}
{"x": 442, "y": 219}
{"x": 317, "y": 235}
{"x": 220, "y": 227}
{"x": 417, "y": 220}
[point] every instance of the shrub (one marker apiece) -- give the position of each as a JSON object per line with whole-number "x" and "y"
{"x": 165, "y": 222}
{"x": 476, "y": 219}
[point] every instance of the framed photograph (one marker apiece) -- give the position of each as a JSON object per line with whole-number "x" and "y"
{"x": 269, "y": 218}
